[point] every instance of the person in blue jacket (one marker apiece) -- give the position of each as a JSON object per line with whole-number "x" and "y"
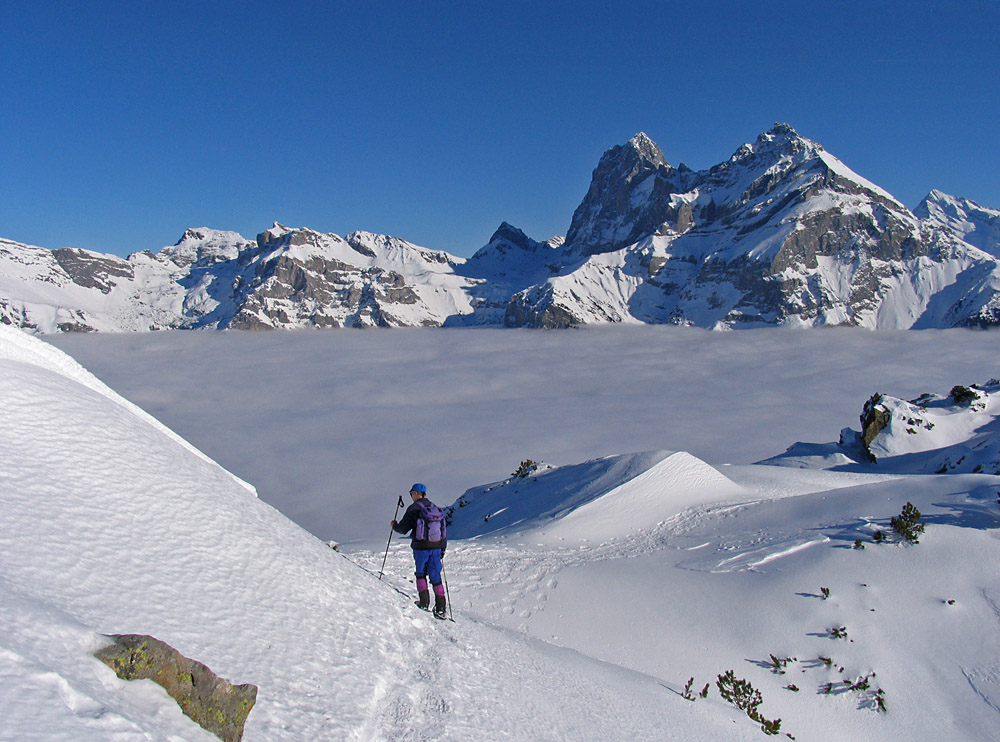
{"x": 427, "y": 552}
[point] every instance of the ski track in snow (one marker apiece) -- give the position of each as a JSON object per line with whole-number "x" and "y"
{"x": 519, "y": 572}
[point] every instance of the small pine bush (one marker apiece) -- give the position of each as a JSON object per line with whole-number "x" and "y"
{"x": 878, "y": 537}
{"x": 963, "y": 395}
{"x": 858, "y": 544}
{"x": 525, "y": 469}
{"x": 745, "y": 697}
{"x": 880, "y": 701}
{"x": 687, "y": 690}
{"x": 907, "y": 524}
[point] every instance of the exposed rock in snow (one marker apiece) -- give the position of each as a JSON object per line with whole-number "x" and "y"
{"x": 212, "y": 702}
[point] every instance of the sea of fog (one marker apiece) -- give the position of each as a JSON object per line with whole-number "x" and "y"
{"x": 330, "y": 426}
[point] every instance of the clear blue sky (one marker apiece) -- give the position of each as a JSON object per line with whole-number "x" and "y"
{"x": 126, "y": 122}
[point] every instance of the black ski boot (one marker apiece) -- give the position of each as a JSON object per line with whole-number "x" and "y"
{"x": 424, "y": 600}
{"x": 439, "y": 607}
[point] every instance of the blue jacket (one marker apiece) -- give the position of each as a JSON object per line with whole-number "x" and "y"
{"x": 408, "y": 523}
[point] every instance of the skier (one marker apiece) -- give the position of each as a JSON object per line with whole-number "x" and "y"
{"x": 428, "y": 542}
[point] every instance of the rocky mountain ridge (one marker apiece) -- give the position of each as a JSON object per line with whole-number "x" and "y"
{"x": 780, "y": 234}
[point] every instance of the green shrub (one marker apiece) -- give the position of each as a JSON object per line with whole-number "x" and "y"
{"x": 963, "y": 395}
{"x": 526, "y": 469}
{"x": 907, "y": 524}
{"x": 687, "y": 690}
{"x": 778, "y": 664}
{"x": 745, "y": 697}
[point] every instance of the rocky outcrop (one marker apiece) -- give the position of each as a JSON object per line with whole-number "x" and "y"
{"x": 874, "y": 419}
{"x": 628, "y": 199}
{"x": 210, "y": 701}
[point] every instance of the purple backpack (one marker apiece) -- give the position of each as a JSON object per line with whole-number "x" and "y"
{"x": 430, "y": 527}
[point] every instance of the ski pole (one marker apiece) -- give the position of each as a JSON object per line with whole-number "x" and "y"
{"x": 451, "y": 614}
{"x": 399, "y": 504}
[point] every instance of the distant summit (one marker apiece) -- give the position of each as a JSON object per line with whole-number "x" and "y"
{"x": 781, "y": 234}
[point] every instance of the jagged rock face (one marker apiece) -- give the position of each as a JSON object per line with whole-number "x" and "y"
{"x": 209, "y": 700}
{"x": 629, "y": 198}
{"x": 92, "y": 271}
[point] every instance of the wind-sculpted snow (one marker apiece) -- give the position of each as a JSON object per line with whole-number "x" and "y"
{"x": 595, "y": 501}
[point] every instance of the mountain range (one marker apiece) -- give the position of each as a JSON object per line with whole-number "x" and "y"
{"x": 780, "y": 234}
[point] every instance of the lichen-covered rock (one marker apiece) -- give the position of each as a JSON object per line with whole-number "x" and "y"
{"x": 212, "y": 702}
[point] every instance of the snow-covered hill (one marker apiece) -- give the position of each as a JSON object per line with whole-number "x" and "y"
{"x": 782, "y": 233}
{"x": 677, "y": 569}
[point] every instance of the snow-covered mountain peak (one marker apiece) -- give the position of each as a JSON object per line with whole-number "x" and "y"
{"x": 647, "y": 149}
{"x": 203, "y": 246}
{"x": 508, "y": 237}
{"x": 624, "y": 202}
{"x": 782, "y": 233}
{"x": 780, "y": 132}
{"x": 976, "y": 224}
{"x": 779, "y": 142}
{"x": 273, "y": 235}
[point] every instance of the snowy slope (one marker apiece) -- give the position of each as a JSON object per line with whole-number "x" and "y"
{"x": 76, "y": 290}
{"x": 112, "y": 525}
{"x": 669, "y": 568}
{"x": 737, "y": 579}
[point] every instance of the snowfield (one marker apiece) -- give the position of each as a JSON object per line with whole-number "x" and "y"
{"x": 585, "y": 593}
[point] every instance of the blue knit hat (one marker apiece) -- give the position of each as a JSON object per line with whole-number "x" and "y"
{"x": 419, "y": 488}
